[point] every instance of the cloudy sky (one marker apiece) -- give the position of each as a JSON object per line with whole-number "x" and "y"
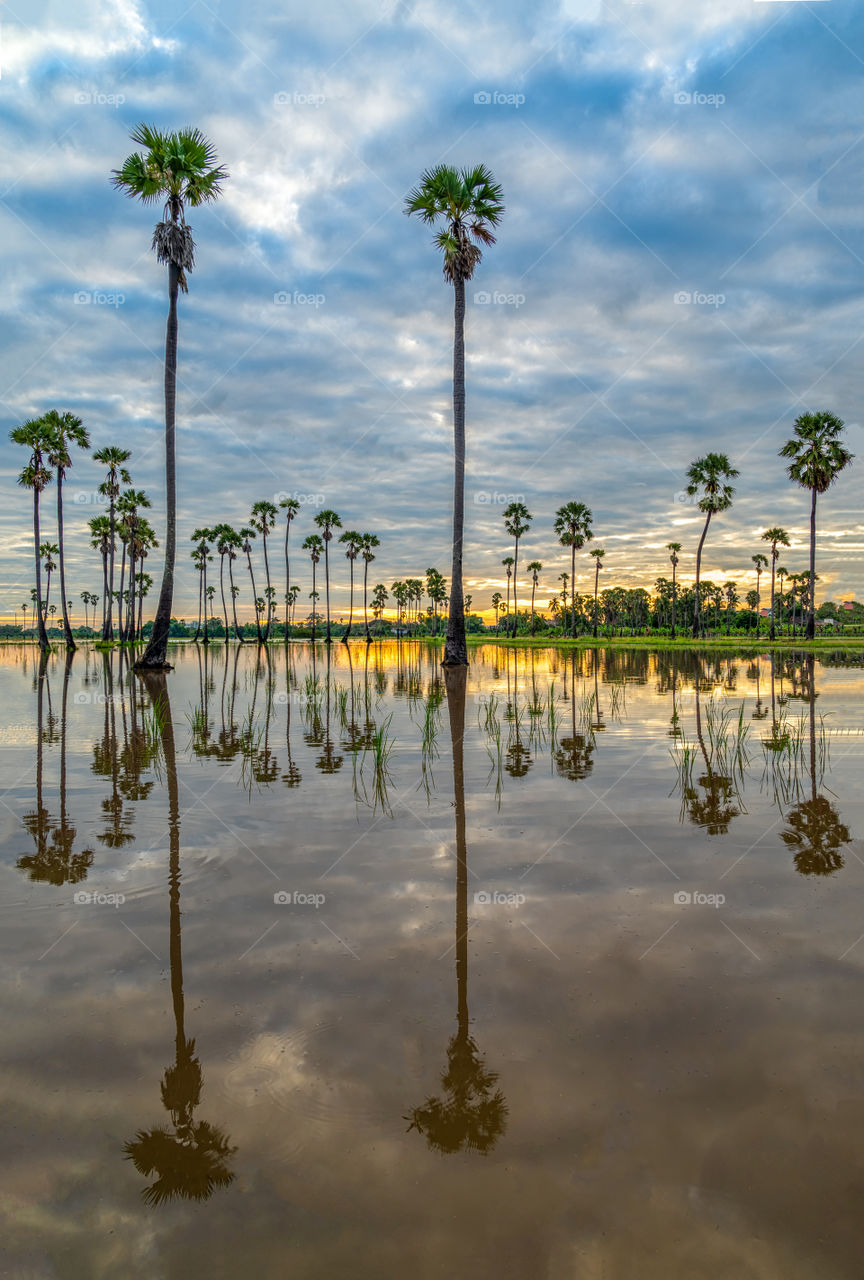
{"x": 678, "y": 269}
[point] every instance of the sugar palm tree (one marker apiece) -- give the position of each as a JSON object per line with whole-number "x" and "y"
{"x": 517, "y": 522}
{"x": 782, "y": 574}
{"x": 36, "y": 475}
{"x": 64, "y": 430}
{"x": 598, "y": 553}
{"x": 464, "y": 204}
{"x": 508, "y": 563}
{"x": 263, "y": 521}
{"x": 761, "y": 563}
{"x": 314, "y": 544}
{"x": 352, "y": 540}
{"x": 202, "y": 539}
{"x": 573, "y": 527}
{"x": 246, "y": 536}
{"x": 181, "y": 170}
{"x": 816, "y": 456}
{"x": 534, "y": 568}
{"x": 113, "y": 458}
{"x": 731, "y": 590}
{"x": 101, "y": 540}
{"x": 368, "y": 543}
{"x": 708, "y": 476}
{"x": 777, "y": 537}
{"x": 290, "y": 506}
{"x": 48, "y": 551}
{"x": 327, "y": 521}
{"x": 497, "y": 603}
{"x": 673, "y": 548}
{"x": 129, "y": 505}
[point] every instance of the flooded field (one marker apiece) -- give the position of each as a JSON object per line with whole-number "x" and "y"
{"x": 333, "y": 966}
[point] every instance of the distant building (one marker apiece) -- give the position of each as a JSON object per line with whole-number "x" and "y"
{"x": 847, "y": 604}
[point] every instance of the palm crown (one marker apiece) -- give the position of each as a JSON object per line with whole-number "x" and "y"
{"x": 468, "y": 202}
{"x": 711, "y": 474}
{"x": 815, "y": 452}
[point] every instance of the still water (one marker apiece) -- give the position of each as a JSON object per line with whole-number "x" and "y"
{"x": 333, "y": 966}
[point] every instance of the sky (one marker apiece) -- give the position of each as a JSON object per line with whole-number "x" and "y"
{"x": 678, "y": 270}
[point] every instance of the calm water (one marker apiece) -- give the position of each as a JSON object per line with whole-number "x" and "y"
{"x": 299, "y": 981}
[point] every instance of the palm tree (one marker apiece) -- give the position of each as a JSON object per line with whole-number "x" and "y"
{"x": 731, "y": 591}
{"x": 101, "y": 540}
{"x": 24, "y": 607}
{"x": 327, "y": 521}
{"x": 34, "y": 436}
{"x": 314, "y": 545}
{"x": 179, "y": 168}
{"x": 711, "y": 476}
{"x": 508, "y": 563}
{"x": 290, "y": 506}
{"x": 465, "y": 204}
{"x": 48, "y": 550}
{"x": 534, "y": 568}
{"x": 64, "y": 429}
{"x": 112, "y": 458}
{"x": 128, "y": 505}
{"x": 598, "y": 553}
{"x": 782, "y": 574}
{"x": 368, "y": 542}
{"x": 517, "y": 522}
{"x": 673, "y": 548}
{"x": 817, "y": 456}
{"x": 380, "y": 595}
{"x": 201, "y": 554}
{"x": 246, "y": 536}
{"x": 496, "y": 605}
{"x": 777, "y": 537}
{"x": 263, "y": 521}
{"x": 573, "y": 526}
{"x": 352, "y": 540}
{"x": 761, "y": 563}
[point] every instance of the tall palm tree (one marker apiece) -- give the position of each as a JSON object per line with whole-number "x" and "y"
{"x": 101, "y": 540}
{"x": 314, "y": 545}
{"x": 113, "y": 458}
{"x": 64, "y": 430}
{"x": 709, "y": 476}
{"x": 202, "y": 539}
{"x": 465, "y": 204}
{"x": 534, "y": 568}
{"x": 817, "y": 456}
{"x": 508, "y": 563}
{"x": 246, "y": 536}
{"x": 352, "y": 540}
{"x": 327, "y": 521}
{"x": 129, "y": 505}
{"x": 777, "y": 537}
{"x": 36, "y": 475}
{"x": 673, "y": 548}
{"x": 263, "y": 521}
{"x": 179, "y": 168}
{"x": 497, "y": 603}
{"x": 598, "y": 553}
{"x": 290, "y": 506}
{"x": 517, "y": 522}
{"x": 573, "y": 527}
{"x": 782, "y": 574}
{"x": 368, "y": 543}
{"x": 761, "y": 563}
{"x": 49, "y": 550}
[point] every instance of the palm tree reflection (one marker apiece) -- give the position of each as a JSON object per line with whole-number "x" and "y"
{"x": 472, "y": 1114}
{"x": 189, "y": 1160}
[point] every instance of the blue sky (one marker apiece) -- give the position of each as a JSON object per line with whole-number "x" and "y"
{"x": 649, "y": 154}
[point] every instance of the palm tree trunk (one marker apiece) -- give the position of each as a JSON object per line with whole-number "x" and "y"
{"x": 108, "y": 606}
{"x": 533, "y": 589}
{"x": 67, "y": 630}
{"x": 200, "y": 598}
{"x": 269, "y": 596}
{"x": 314, "y": 602}
{"x": 673, "y": 601}
{"x": 350, "y": 601}
{"x": 155, "y": 655}
{"x": 240, "y": 637}
{"x": 222, "y": 592}
{"x": 43, "y": 634}
{"x": 572, "y": 590}
{"x": 697, "y": 622}
{"x": 515, "y": 571}
{"x": 120, "y": 595}
{"x": 773, "y": 562}
{"x": 254, "y": 599}
{"x": 287, "y": 578}
{"x": 106, "y": 595}
{"x": 811, "y": 604}
{"x": 206, "y": 603}
{"x": 596, "y": 586}
{"x": 455, "y": 647}
{"x": 366, "y": 601}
